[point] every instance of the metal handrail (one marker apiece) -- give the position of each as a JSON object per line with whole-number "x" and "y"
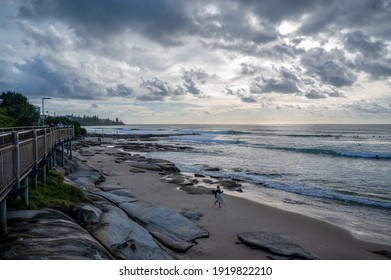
{"x": 18, "y": 150}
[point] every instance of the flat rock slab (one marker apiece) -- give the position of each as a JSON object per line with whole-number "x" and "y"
{"x": 275, "y": 244}
{"x": 191, "y": 214}
{"x": 145, "y": 165}
{"x": 117, "y": 196}
{"x": 87, "y": 153}
{"x": 166, "y": 225}
{"x": 48, "y": 235}
{"x": 169, "y": 227}
{"x": 83, "y": 175}
{"x": 124, "y": 238}
{"x": 108, "y": 187}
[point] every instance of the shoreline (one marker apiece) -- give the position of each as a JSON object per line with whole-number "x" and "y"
{"x": 323, "y": 240}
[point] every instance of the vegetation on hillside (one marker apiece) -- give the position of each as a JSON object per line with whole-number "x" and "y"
{"x": 55, "y": 194}
{"x": 95, "y": 120}
{"x": 79, "y": 131}
{"x": 15, "y": 110}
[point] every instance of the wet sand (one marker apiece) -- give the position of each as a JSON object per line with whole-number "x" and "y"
{"x": 324, "y": 241}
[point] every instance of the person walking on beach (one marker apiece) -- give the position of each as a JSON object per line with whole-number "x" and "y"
{"x": 219, "y": 199}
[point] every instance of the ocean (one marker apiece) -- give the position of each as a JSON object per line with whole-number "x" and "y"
{"x": 340, "y": 174}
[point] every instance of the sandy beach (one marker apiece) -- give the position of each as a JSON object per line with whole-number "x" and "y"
{"x": 324, "y": 241}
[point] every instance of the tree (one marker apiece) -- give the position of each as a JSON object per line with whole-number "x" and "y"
{"x": 79, "y": 131}
{"x": 5, "y": 120}
{"x": 19, "y": 109}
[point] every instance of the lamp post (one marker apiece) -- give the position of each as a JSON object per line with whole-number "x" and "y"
{"x": 43, "y": 110}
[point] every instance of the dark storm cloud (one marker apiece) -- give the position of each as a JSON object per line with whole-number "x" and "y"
{"x": 159, "y": 90}
{"x": 377, "y": 70}
{"x": 37, "y": 77}
{"x": 246, "y": 30}
{"x": 373, "y": 15}
{"x": 284, "y": 81}
{"x": 331, "y": 67}
{"x": 163, "y": 21}
{"x": 120, "y": 90}
{"x": 360, "y": 43}
{"x": 190, "y": 79}
{"x": 263, "y": 85}
{"x": 229, "y": 23}
{"x": 49, "y": 38}
{"x": 278, "y": 10}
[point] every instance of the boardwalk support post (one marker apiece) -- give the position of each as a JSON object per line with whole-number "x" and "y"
{"x": 15, "y": 142}
{"x": 25, "y": 194}
{"x": 62, "y": 154}
{"x": 35, "y": 176}
{"x": 44, "y": 158}
{"x": 3, "y": 216}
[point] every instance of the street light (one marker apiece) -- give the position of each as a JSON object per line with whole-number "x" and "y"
{"x": 43, "y": 110}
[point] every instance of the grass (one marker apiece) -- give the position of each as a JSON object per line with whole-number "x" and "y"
{"x": 55, "y": 194}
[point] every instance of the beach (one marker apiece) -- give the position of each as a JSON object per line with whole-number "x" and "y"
{"x": 321, "y": 239}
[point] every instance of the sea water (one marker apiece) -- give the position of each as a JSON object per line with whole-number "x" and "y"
{"x": 337, "y": 173}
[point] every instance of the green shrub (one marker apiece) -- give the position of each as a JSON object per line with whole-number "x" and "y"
{"x": 55, "y": 194}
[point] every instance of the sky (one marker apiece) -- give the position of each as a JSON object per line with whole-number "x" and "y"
{"x": 215, "y": 61}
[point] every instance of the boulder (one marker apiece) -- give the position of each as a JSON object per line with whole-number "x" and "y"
{"x": 123, "y": 237}
{"x": 192, "y": 189}
{"x": 231, "y": 185}
{"x": 212, "y": 169}
{"x": 85, "y": 214}
{"x": 48, "y": 234}
{"x": 145, "y": 165}
{"x": 191, "y": 214}
{"x": 114, "y": 198}
{"x": 109, "y": 187}
{"x": 275, "y": 244}
{"x": 85, "y": 176}
{"x": 169, "y": 227}
{"x": 174, "y": 178}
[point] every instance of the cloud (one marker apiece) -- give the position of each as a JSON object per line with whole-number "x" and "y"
{"x": 158, "y": 90}
{"x": 190, "y": 77}
{"x": 242, "y": 93}
{"x": 120, "y": 90}
{"x": 279, "y": 10}
{"x": 369, "y": 107}
{"x": 281, "y": 85}
{"x": 282, "y": 81}
{"x": 161, "y": 21}
{"x": 40, "y": 75}
{"x": 166, "y": 51}
{"x": 331, "y": 16}
{"x": 250, "y": 69}
{"x": 313, "y": 94}
{"x": 49, "y": 37}
{"x": 330, "y": 66}
{"x": 249, "y": 99}
{"x": 360, "y": 43}
{"x": 377, "y": 70}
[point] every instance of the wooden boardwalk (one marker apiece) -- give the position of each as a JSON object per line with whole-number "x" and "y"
{"x": 24, "y": 153}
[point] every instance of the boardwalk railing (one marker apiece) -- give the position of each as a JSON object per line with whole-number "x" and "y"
{"x": 21, "y": 152}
